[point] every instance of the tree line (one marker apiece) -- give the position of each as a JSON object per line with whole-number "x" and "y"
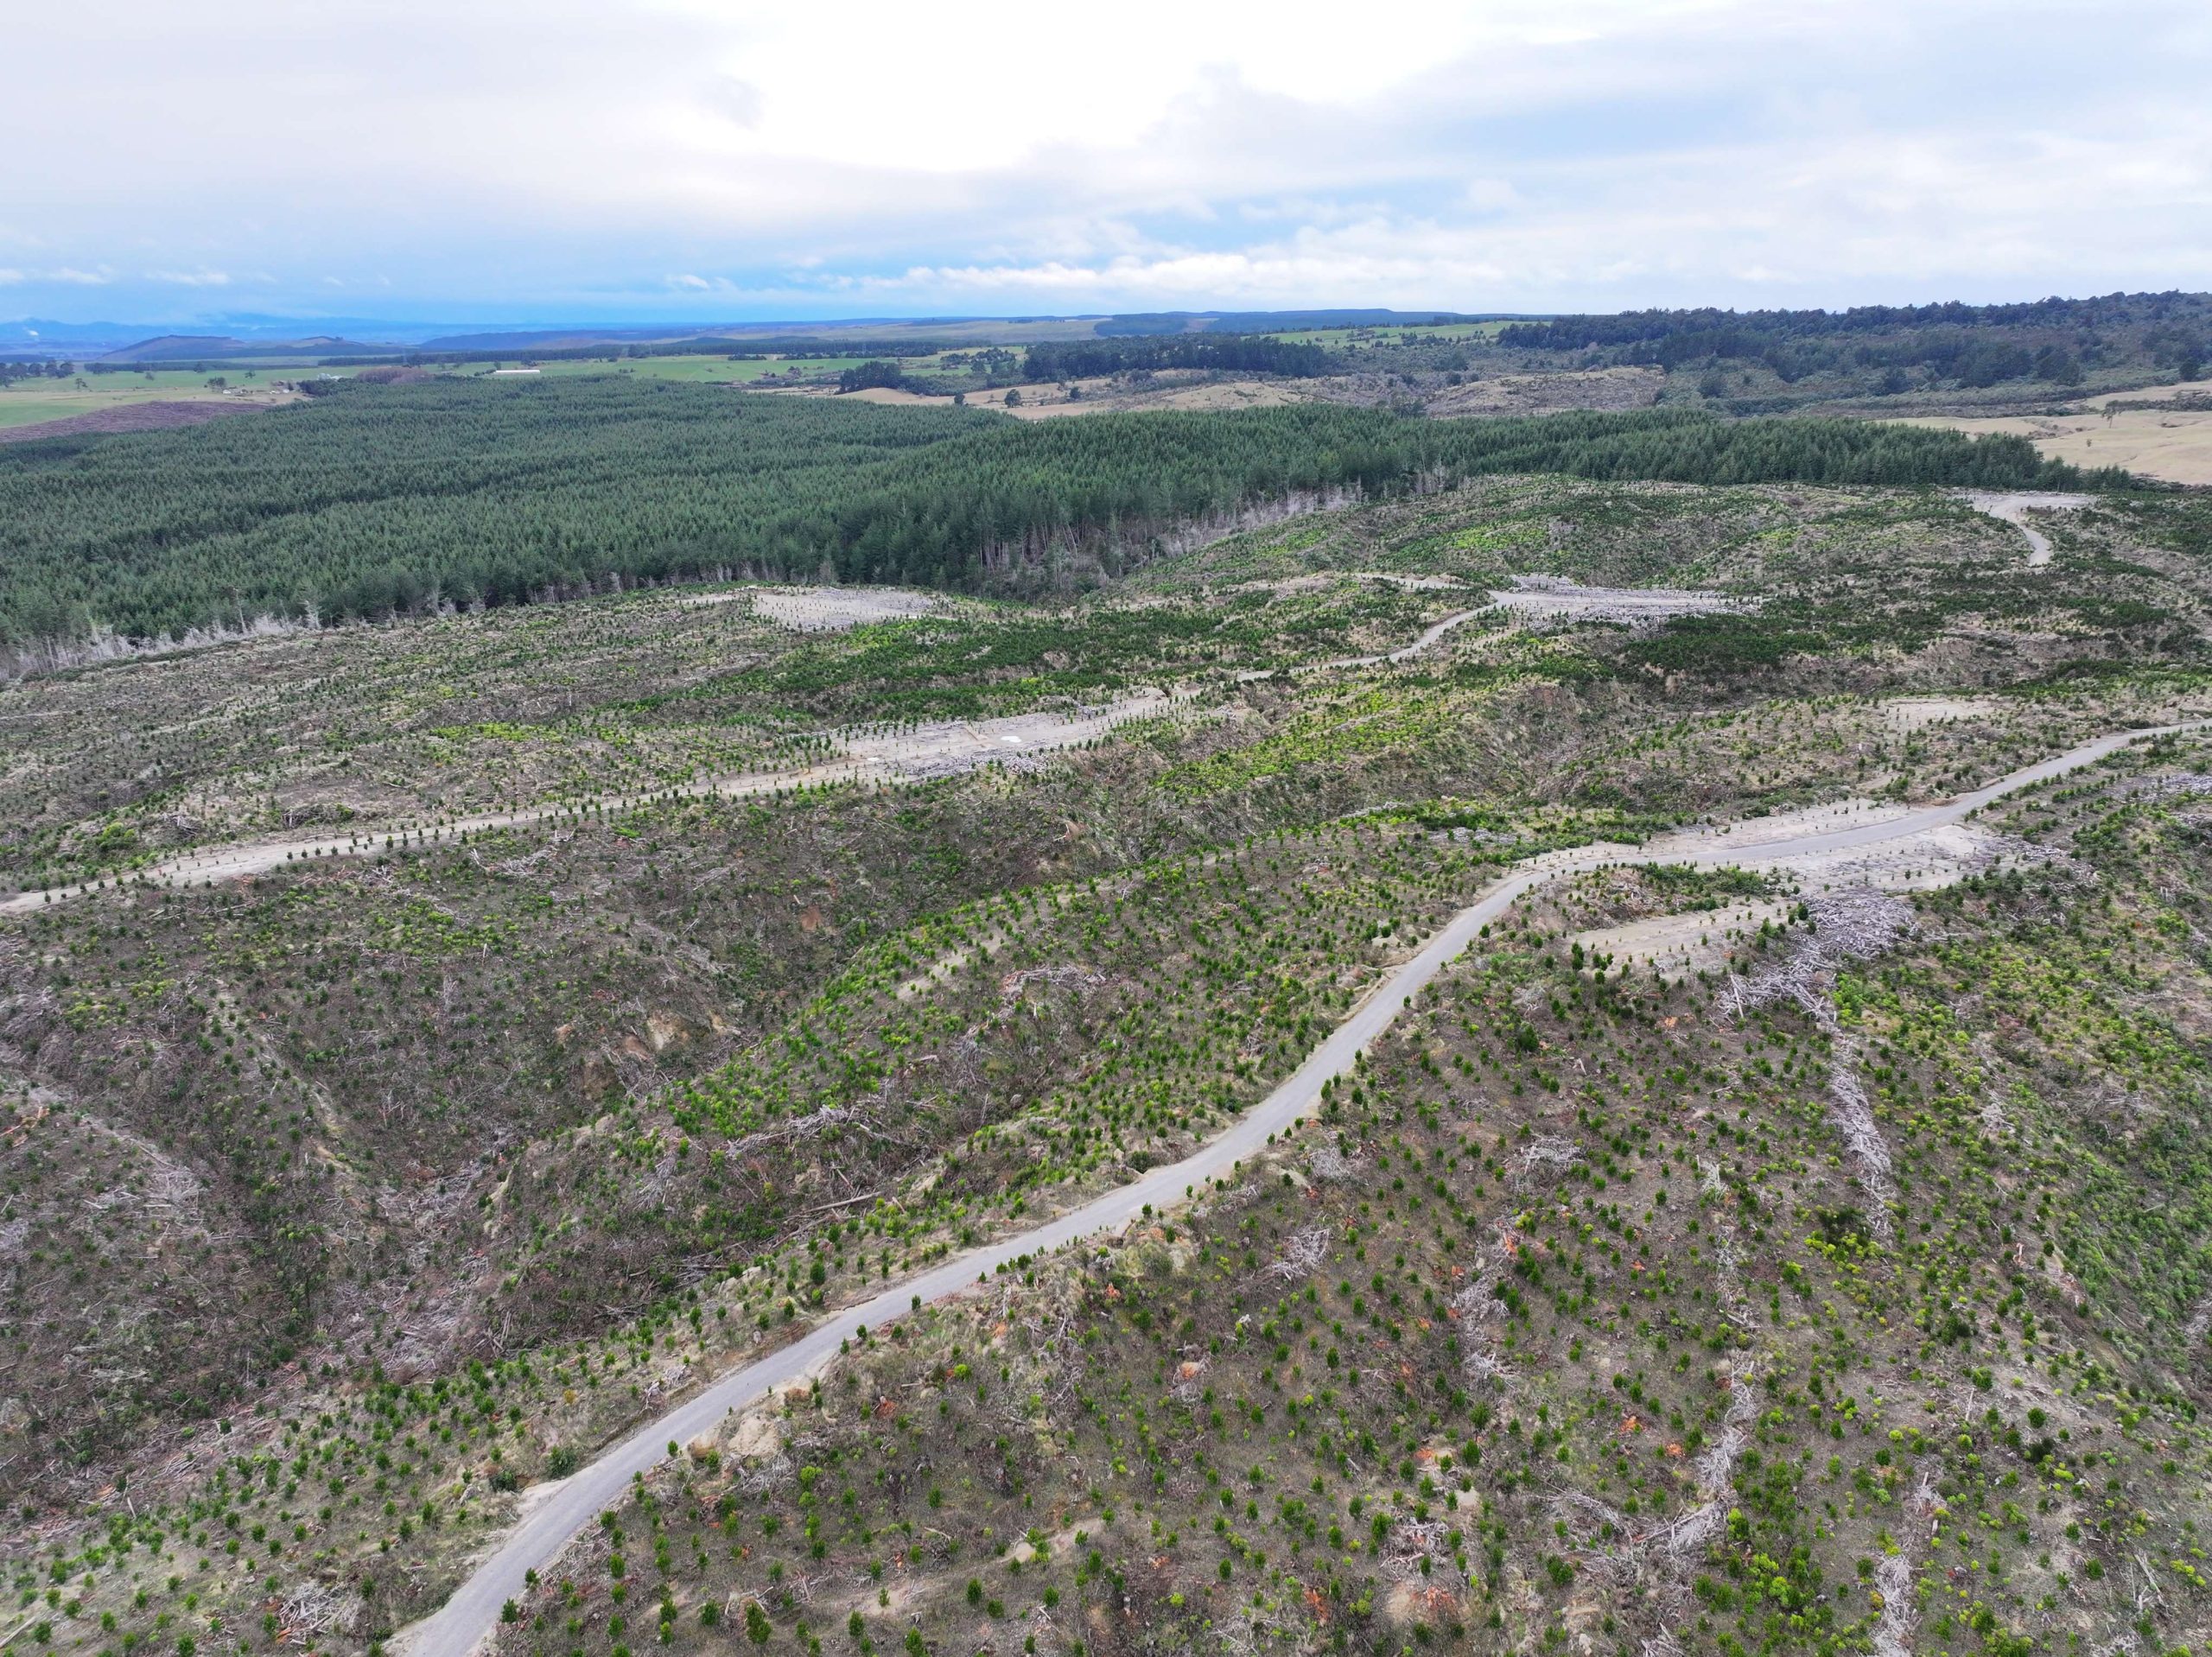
{"x": 377, "y": 500}
{"x": 1070, "y": 359}
{"x": 1629, "y": 327}
{"x": 1977, "y": 345}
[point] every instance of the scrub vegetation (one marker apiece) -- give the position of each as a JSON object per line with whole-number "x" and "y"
{"x": 1845, "y": 1289}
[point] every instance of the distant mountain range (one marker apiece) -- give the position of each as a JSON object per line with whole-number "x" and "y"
{"x": 214, "y": 348}
{"x": 274, "y": 340}
{"x": 36, "y": 336}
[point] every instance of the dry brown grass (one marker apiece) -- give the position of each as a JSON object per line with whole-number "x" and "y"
{"x": 101, "y": 419}
{"x": 2172, "y": 443}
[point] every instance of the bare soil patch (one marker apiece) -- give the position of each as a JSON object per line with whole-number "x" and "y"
{"x": 1906, "y": 714}
{"x": 127, "y": 416}
{"x": 1525, "y": 394}
{"x": 1215, "y": 395}
{"x": 836, "y": 610}
{"x": 1694, "y": 941}
{"x": 1547, "y": 597}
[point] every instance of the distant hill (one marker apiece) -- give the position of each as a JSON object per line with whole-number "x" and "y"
{"x": 42, "y": 337}
{"x": 210, "y": 347}
{"x": 262, "y": 339}
{"x": 1284, "y": 321}
{"x": 965, "y": 330}
{"x": 753, "y": 336}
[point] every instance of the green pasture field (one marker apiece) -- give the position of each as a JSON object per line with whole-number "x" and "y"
{"x": 30, "y": 401}
{"x": 27, "y": 402}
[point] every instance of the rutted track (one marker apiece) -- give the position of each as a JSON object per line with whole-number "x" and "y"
{"x": 562, "y": 1510}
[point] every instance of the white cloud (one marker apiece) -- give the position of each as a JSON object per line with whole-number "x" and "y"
{"x": 737, "y": 101}
{"x": 1506, "y": 153}
{"x": 1392, "y": 263}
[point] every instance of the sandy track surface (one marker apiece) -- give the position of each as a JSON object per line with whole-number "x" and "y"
{"x": 557, "y": 1513}
{"x": 903, "y": 757}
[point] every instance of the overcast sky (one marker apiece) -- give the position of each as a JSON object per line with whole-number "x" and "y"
{"x": 717, "y": 159}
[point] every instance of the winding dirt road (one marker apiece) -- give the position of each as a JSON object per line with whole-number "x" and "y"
{"x": 2014, "y": 509}
{"x": 561, "y": 1510}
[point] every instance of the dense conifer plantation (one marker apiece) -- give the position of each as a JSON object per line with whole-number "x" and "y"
{"x": 372, "y": 500}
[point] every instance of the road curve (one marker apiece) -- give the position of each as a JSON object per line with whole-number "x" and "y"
{"x": 1430, "y": 634}
{"x": 2013, "y": 508}
{"x": 472, "y": 1611}
{"x": 1404, "y": 653}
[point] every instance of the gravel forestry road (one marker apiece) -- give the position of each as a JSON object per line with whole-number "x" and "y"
{"x": 558, "y": 1512}
{"x": 906, "y": 757}
{"x": 2014, "y": 509}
